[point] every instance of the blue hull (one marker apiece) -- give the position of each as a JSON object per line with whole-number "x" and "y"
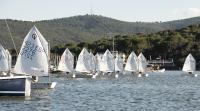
{"x": 12, "y": 87}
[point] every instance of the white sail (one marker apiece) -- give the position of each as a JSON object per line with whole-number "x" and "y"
{"x": 9, "y": 59}
{"x": 92, "y": 62}
{"x": 107, "y": 62}
{"x": 66, "y": 63}
{"x": 43, "y": 41}
{"x": 118, "y": 63}
{"x": 33, "y": 56}
{"x": 4, "y": 64}
{"x": 190, "y": 64}
{"x": 98, "y": 60}
{"x": 132, "y": 63}
{"x": 142, "y": 63}
{"x": 83, "y": 63}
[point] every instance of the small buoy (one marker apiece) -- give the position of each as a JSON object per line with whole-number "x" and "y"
{"x": 147, "y": 75}
{"x": 195, "y": 75}
{"x": 139, "y": 75}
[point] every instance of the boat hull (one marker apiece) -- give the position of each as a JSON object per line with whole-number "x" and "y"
{"x": 43, "y": 85}
{"x": 190, "y": 74}
{"x": 109, "y": 74}
{"x": 15, "y": 86}
{"x": 83, "y": 76}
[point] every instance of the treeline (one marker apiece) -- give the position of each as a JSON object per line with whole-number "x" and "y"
{"x": 175, "y": 44}
{"x": 83, "y": 28}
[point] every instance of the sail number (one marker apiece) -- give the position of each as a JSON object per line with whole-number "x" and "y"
{"x": 29, "y": 50}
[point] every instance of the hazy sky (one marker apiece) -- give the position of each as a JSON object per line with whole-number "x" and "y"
{"x": 126, "y": 10}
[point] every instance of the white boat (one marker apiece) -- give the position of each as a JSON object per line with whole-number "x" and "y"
{"x": 118, "y": 64}
{"x": 107, "y": 65}
{"x": 66, "y": 63}
{"x": 33, "y": 59}
{"x": 92, "y": 62}
{"x": 142, "y": 65}
{"x": 190, "y": 65}
{"x": 132, "y": 63}
{"x": 83, "y": 66}
{"x": 107, "y": 62}
{"x": 98, "y": 61}
{"x": 12, "y": 85}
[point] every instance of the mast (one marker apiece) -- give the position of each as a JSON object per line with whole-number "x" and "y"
{"x": 114, "y": 52}
{"x": 11, "y": 37}
{"x": 49, "y": 52}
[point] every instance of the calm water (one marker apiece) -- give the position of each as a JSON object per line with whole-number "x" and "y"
{"x": 170, "y": 91}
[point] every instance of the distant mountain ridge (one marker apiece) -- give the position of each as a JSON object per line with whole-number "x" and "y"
{"x": 87, "y": 28}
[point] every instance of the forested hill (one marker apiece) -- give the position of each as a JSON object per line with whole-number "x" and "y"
{"x": 87, "y": 28}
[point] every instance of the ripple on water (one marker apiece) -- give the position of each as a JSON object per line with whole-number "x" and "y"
{"x": 159, "y": 92}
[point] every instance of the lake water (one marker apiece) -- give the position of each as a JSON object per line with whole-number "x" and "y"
{"x": 170, "y": 91}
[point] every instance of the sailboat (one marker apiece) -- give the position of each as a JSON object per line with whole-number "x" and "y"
{"x": 118, "y": 64}
{"x": 66, "y": 63}
{"x": 132, "y": 63}
{"x": 97, "y": 61}
{"x": 12, "y": 85}
{"x": 83, "y": 67}
{"x": 142, "y": 65}
{"x": 190, "y": 65}
{"x": 107, "y": 63}
{"x": 92, "y": 62}
{"x": 33, "y": 59}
